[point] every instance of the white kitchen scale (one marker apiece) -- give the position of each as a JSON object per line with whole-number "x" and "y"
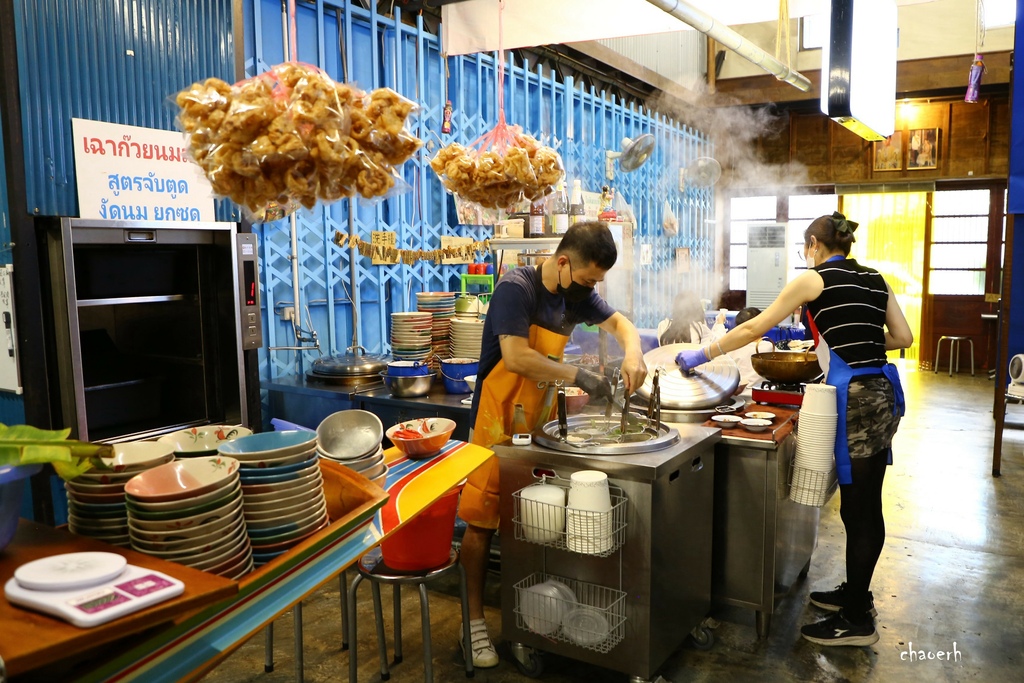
{"x": 88, "y": 589}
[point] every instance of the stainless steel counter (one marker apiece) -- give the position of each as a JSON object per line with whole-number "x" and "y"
{"x": 763, "y": 541}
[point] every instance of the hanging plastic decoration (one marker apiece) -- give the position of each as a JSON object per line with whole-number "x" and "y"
{"x": 974, "y": 80}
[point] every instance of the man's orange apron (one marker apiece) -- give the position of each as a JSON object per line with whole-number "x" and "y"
{"x": 499, "y": 392}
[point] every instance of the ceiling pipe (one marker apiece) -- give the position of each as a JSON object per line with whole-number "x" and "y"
{"x": 713, "y": 28}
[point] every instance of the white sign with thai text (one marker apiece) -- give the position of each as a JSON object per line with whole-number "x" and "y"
{"x": 132, "y": 173}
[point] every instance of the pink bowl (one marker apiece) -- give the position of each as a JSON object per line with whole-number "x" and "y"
{"x": 436, "y": 432}
{"x": 182, "y": 478}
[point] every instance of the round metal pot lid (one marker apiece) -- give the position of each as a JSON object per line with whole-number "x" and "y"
{"x": 707, "y": 386}
{"x": 351, "y": 364}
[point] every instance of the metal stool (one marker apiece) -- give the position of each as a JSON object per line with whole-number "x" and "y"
{"x": 371, "y": 566}
{"x": 954, "y": 352}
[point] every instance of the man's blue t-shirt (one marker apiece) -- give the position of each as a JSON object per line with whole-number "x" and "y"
{"x": 521, "y": 300}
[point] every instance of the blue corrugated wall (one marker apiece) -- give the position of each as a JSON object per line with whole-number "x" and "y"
{"x": 375, "y": 50}
{"x": 108, "y": 60}
{"x": 74, "y": 62}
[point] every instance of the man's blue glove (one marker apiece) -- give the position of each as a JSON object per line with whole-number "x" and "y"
{"x": 688, "y": 360}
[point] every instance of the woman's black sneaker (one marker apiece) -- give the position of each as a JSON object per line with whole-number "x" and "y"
{"x": 835, "y": 600}
{"x": 837, "y": 630}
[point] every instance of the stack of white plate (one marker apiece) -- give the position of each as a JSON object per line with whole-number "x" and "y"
{"x": 411, "y": 335}
{"x": 814, "y": 467}
{"x": 96, "y": 505}
{"x": 282, "y": 489}
{"x": 202, "y": 440}
{"x": 441, "y": 306}
{"x": 190, "y": 511}
{"x": 467, "y": 336}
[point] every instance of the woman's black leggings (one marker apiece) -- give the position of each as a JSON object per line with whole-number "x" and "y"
{"x": 861, "y": 510}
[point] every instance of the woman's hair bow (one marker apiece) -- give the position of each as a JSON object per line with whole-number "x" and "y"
{"x": 841, "y": 224}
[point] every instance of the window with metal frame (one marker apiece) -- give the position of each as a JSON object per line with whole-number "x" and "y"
{"x": 959, "y": 242}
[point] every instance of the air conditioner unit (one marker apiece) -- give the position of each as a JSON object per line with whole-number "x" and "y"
{"x": 767, "y": 266}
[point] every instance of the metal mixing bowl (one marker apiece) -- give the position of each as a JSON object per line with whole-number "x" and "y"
{"x": 407, "y": 387}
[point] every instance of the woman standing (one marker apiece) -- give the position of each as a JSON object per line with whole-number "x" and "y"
{"x": 857, "y": 319}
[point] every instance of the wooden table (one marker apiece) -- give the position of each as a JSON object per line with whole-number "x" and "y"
{"x": 32, "y": 639}
{"x": 198, "y": 641}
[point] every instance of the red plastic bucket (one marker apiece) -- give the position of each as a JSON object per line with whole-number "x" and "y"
{"x": 425, "y": 541}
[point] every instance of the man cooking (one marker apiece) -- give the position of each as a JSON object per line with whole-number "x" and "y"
{"x": 531, "y": 315}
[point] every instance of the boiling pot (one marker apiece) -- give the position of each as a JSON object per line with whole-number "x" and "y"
{"x": 707, "y": 386}
{"x": 352, "y": 368}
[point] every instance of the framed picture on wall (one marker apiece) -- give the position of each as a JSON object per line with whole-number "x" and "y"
{"x": 923, "y": 149}
{"x": 889, "y": 153}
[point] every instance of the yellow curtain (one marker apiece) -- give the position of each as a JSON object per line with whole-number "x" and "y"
{"x": 890, "y": 239}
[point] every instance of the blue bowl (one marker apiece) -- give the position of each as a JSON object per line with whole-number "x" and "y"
{"x": 269, "y": 444}
{"x": 408, "y": 368}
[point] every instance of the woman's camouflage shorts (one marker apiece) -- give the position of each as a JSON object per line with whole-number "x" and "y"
{"x": 870, "y": 424}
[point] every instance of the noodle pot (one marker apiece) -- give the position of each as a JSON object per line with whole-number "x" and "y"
{"x": 707, "y": 386}
{"x": 786, "y": 367}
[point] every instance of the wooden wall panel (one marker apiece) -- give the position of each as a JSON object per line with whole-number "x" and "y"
{"x": 974, "y": 142}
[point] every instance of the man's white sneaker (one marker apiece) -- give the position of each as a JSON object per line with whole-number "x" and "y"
{"x": 484, "y": 654}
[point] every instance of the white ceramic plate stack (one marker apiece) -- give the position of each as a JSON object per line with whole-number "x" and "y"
{"x": 410, "y": 335}
{"x": 441, "y": 306}
{"x": 282, "y": 489}
{"x": 353, "y": 439}
{"x": 814, "y": 467}
{"x": 203, "y": 440}
{"x": 190, "y": 511}
{"x": 96, "y": 503}
{"x": 467, "y": 336}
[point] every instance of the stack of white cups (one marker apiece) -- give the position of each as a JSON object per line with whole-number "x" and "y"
{"x": 588, "y": 517}
{"x": 814, "y": 467}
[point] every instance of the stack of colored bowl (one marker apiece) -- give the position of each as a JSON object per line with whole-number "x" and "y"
{"x": 96, "y": 504}
{"x": 411, "y": 336}
{"x": 467, "y": 337}
{"x": 282, "y": 489}
{"x": 203, "y": 440}
{"x": 441, "y": 305}
{"x": 353, "y": 438}
{"x": 190, "y": 511}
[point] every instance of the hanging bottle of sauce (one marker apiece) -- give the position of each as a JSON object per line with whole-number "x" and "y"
{"x": 537, "y": 219}
{"x": 560, "y": 210}
{"x": 577, "y": 214}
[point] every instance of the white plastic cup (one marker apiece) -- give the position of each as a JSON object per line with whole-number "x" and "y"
{"x": 542, "y": 510}
{"x": 589, "y": 517}
{"x": 819, "y": 399}
{"x": 588, "y": 490}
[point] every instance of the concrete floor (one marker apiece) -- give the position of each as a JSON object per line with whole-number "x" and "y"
{"x": 949, "y": 577}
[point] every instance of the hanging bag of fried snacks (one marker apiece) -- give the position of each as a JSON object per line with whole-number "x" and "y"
{"x": 503, "y": 166}
{"x": 292, "y": 137}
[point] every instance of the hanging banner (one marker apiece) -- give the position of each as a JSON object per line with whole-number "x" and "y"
{"x": 142, "y": 174}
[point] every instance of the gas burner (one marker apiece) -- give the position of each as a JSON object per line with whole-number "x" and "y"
{"x": 769, "y": 385}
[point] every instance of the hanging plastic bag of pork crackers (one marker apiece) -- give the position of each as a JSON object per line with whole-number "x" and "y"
{"x": 292, "y": 136}
{"x": 502, "y": 167}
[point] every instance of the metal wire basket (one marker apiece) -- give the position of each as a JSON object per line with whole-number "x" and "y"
{"x": 578, "y": 531}
{"x": 565, "y": 610}
{"x": 810, "y": 487}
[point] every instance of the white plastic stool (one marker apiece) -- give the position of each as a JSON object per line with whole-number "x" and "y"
{"x": 954, "y": 352}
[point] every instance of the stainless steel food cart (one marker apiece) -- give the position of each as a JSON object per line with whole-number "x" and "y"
{"x": 654, "y": 584}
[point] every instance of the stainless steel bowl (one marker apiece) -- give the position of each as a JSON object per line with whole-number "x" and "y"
{"x": 407, "y": 387}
